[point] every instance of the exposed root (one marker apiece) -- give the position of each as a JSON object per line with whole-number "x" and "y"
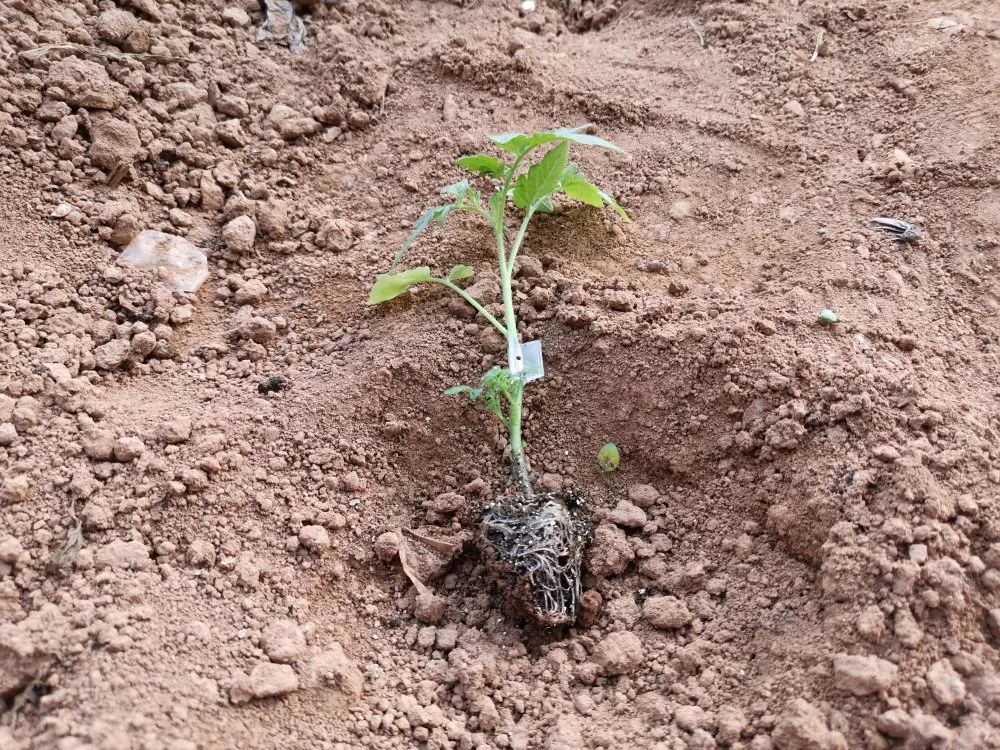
{"x": 37, "y": 53}
{"x": 534, "y": 545}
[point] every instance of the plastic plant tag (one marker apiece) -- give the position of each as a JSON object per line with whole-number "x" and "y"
{"x": 515, "y": 358}
{"x": 534, "y": 367}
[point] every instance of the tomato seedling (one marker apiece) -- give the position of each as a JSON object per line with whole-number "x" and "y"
{"x": 550, "y": 560}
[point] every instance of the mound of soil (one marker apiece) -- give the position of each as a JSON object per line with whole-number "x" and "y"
{"x": 202, "y": 494}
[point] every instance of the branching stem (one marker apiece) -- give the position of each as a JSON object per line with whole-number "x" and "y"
{"x": 516, "y": 247}
{"x": 469, "y": 298}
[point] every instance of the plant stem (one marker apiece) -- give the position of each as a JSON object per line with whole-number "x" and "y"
{"x": 468, "y": 298}
{"x": 516, "y": 247}
{"x": 517, "y": 457}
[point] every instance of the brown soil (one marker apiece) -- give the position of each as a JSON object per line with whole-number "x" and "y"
{"x": 801, "y": 548}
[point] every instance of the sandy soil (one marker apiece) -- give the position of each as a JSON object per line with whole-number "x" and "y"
{"x": 801, "y": 548}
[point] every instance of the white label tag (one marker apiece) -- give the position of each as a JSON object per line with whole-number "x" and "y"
{"x": 534, "y": 367}
{"x": 526, "y": 359}
{"x": 515, "y": 358}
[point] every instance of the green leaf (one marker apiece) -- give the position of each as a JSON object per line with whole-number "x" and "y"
{"x": 456, "y": 190}
{"x": 442, "y": 213}
{"x": 437, "y": 212}
{"x": 464, "y": 196}
{"x": 497, "y": 386}
{"x": 458, "y": 273}
{"x": 515, "y": 143}
{"x": 458, "y": 390}
{"x": 496, "y": 390}
{"x": 608, "y": 457}
{"x": 578, "y": 188}
{"x": 541, "y": 179}
{"x": 390, "y": 285}
{"x": 614, "y": 205}
{"x": 521, "y": 143}
{"x": 584, "y": 139}
{"x": 482, "y": 164}
{"x": 545, "y": 206}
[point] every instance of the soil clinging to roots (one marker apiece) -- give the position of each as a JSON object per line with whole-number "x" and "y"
{"x": 534, "y": 546}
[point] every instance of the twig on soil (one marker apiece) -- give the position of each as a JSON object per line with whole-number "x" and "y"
{"x": 701, "y": 39}
{"x": 66, "y": 554}
{"x": 385, "y": 90}
{"x": 819, "y": 43}
{"x": 117, "y": 174}
{"x": 445, "y": 548}
{"x": 412, "y": 568}
{"x": 414, "y": 579}
{"x": 33, "y": 55}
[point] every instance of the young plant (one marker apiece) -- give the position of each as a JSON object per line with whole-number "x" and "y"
{"x": 535, "y": 539}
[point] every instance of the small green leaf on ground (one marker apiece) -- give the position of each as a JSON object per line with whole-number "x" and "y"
{"x": 458, "y": 273}
{"x": 390, "y": 285}
{"x": 608, "y": 457}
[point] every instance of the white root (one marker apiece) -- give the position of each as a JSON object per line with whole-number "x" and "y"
{"x": 540, "y": 542}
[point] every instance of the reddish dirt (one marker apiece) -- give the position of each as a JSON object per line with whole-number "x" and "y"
{"x": 801, "y": 548}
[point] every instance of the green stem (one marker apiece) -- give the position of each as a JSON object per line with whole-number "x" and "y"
{"x": 516, "y": 400}
{"x": 468, "y": 298}
{"x": 516, "y": 247}
{"x": 517, "y": 457}
{"x": 515, "y": 438}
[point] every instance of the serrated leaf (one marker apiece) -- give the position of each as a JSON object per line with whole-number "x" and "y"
{"x": 541, "y": 179}
{"x": 437, "y": 212}
{"x": 390, "y": 285}
{"x": 458, "y": 273}
{"x": 608, "y": 457}
{"x": 456, "y": 190}
{"x": 515, "y": 143}
{"x": 496, "y": 388}
{"x": 442, "y": 213}
{"x": 482, "y": 164}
